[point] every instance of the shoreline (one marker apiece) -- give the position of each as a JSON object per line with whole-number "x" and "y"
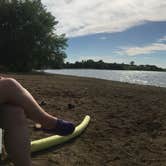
{"x": 127, "y": 120}
{"x": 65, "y": 75}
{"x": 105, "y": 69}
{"x": 111, "y": 76}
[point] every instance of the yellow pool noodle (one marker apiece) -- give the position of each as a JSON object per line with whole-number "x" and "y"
{"x": 48, "y": 142}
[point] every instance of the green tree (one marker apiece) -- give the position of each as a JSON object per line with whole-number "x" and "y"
{"x": 132, "y": 63}
{"x": 27, "y": 36}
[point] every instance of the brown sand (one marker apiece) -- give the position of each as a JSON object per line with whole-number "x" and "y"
{"x": 127, "y": 128}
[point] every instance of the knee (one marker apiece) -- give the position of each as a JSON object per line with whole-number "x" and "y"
{"x": 9, "y": 86}
{"x": 10, "y": 83}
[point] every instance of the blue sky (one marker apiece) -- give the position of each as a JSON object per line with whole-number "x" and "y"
{"x": 113, "y": 30}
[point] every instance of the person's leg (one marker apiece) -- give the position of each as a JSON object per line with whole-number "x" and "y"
{"x": 17, "y": 142}
{"x": 12, "y": 92}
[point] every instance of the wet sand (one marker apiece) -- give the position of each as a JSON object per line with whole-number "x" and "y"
{"x": 127, "y": 128}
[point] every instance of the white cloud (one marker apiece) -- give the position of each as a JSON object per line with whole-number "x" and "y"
{"x": 163, "y": 39}
{"x": 147, "y": 49}
{"x": 82, "y": 17}
{"x": 103, "y": 38}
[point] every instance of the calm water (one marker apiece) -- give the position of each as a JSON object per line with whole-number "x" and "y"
{"x": 137, "y": 77}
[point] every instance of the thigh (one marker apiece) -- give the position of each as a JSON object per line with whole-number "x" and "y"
{"x": 10, "y": 114}
{"x": 0, "y": 120}
{"x": 2, "y": 90}
{"x": 1, "y": 101}
{"x": 1, "y": 117}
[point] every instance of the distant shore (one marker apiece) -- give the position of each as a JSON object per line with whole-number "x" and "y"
{"x": 91, "y": 64}
{"x": 128, "y": 122}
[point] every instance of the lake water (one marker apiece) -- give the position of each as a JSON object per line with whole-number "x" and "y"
{"x": 136, "y": 77}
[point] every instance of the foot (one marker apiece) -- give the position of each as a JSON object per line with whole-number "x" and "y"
{"x": 62, "y": 128}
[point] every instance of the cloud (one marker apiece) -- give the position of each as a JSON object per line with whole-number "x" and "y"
{"x": 103, "y": 38}
{"x": 163, "y": 39}
{"x": 68, "y": 1}
{"x": 83, "y": 17}
{"x": 147, "y": 49}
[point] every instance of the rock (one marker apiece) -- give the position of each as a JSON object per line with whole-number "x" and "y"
{"x": 43, "y": 103}
{"x": 71, "y": 106}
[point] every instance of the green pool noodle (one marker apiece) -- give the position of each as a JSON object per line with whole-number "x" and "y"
{"x": 48, "y": 142}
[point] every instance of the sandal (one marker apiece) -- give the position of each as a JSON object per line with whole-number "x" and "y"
{"x": 63, "y": 128}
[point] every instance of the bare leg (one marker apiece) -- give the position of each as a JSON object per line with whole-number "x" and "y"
{"x": 17, "y": 141}
{"x": 12, "y": 92}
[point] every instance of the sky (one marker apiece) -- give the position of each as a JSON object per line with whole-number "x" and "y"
{"x": 118, "y": 31}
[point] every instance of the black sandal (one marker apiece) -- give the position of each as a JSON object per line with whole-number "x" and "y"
{"x": 63, "y": 128}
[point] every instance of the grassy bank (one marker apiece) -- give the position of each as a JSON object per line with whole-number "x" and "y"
{"x": 128, "y": 122}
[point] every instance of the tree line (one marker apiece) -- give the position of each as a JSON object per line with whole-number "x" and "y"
{"x": 91, "y": 64}
{"x": 28, "y": 38}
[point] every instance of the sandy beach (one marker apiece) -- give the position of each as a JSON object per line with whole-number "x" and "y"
{"x": 128, "y": 122}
